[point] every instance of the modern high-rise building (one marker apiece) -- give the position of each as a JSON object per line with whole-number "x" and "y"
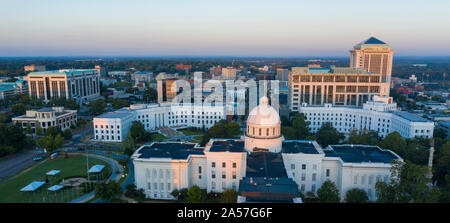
{"x": 282, "y": 74}
{"x": 81, "y": 85}
{"x": 335, "y": 85}
{"x": 375, "y": 56}
{"x": 166, "y": 85}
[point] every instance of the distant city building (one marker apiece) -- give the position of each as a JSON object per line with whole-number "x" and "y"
{"x": 261, "y": 166}
{"x": 166, "y": 86}
{"x": 379, "y": 115}
{"x": 114, "y": 126}
{"x": 183, "y": 67}
{"x": 106, "y": 81}
{"x": 33, "y": 67}
{"x": 413, "y": 78}
{"x": 100, "y": 70}
{"x": 13, "y": 88}
{"x": 282, "y": 74}
{"x": 47, "y": 117}
{"x": 334, "y": 85}
{"x": 119, "y": 74}
{"x": 375, "y": 56}
{"x": 80, "y": 84}
{"x": 141, "y": 77}
{"x": 444, "y": 126}
{"x": 216, "y": 70}
{"x": 229, "y": 72}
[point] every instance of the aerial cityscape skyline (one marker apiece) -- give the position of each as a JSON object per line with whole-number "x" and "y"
{"x": 204, "y": 28}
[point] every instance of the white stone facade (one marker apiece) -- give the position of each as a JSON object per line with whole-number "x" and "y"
{"x": 154, "y": 116}
{"x": 380, "y": 116}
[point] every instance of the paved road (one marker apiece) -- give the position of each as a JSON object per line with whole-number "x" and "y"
{"x": 16, "y": 163}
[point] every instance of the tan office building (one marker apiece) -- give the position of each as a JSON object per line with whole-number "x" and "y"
{"x": 375, "y": 56}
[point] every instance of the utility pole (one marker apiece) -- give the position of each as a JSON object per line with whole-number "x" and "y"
{"x": 87, "y": 162}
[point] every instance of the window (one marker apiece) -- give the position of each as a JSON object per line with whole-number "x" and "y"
{"x": 303, "y": 166}
{"x": 168, "y": 187}
{"x": 149, "y": 186}
{"x": 213, "y": 185}
{"x": 293, "y": 166}
{"x": 313, "y": 188}
{"x": 370, "y": 180}
{"x": 303, "y": 176}
{"x": 303, "y": 188}
{"x": 213, "y": 164}
{"x": 224, "y": 164}
{"x": 224, "y": 176}
{"x": 314, "y": 167}
{"x": 234, "y": 165}
{"x": 328, "y": 173}
{"x": 199, "y": 169}
{"x": 314, "y": 176}
{"x": 234, "y": 174}
{"x": 213, "y": 174}
{"x": 355, "y": 180}
{"x": 363, "y": 179}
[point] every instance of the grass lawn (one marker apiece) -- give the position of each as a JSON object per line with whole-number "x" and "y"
{"x": 74, "y": 166}
{"x": 157, "y": 137}
{"x": 189, "y": 132}
{"x": 196, "y": 139}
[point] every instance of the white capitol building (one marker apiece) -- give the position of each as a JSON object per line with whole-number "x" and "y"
{"x": 261, "y": 166}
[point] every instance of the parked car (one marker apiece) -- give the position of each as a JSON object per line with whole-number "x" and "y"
{"x": 37, "y": 158}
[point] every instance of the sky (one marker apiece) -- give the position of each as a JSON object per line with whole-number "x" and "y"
{"x": 282, "y": 28}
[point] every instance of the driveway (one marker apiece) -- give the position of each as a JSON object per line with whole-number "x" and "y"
{"x": 14, "y": 164}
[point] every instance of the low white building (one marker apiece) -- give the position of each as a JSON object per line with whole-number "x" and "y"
{"x": 154, "y": 116}
{"x": 379, "y": 115}
{"x": 47, "y": 117}
{"x": 259, "y": 171}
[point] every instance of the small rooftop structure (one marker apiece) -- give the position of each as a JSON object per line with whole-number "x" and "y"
{"x": 55, "y": 188}
{"x": 33, "y": 186}
{"x": 96, "y": 169}
{"x": 273, "y": 190}
{"x": 53, "y": 172}
{"x": 265, "y": 164}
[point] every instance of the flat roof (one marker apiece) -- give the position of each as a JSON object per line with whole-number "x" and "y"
{"x": 299, "y": 147}
{"x": 265, "y": 164}
{"x": 410, "y": 117}
{"x": 62, "y": 72}
{"x": 172, "y": 150}
{"x": 360, "y": 154}
{"x": 261, "y": 189}
{"x": 115, "y": 114}
{"x": 227, "y": 145}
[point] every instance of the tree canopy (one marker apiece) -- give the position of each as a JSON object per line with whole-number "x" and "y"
{"x": 222, "y": 129}
{"x": 328, "y": 135}
{"x": 229, "y": 196}
{"x": 356, "y": 195}
{"x": 97, "y": 107}
{"x": 409, "y": 183}
{"x": 328, "y": 193}
{"x": 297, "y": 129}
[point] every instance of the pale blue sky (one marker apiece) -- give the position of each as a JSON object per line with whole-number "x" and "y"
{"x": 220, "y": 28}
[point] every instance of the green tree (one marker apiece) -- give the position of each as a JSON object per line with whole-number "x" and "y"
{"x": 19, "y": 109}
{"x": 3, "y": 117}
{"x": 129, "y": 145}
{"x": 28, "y": 129}
{"x": 328, "y": 135}
{"x": 223, "y": 130}
{"x": 39, "y": 130}
{"x": 409, "y": 183}
{"x": 301, "y": 126}
{"x": 180, "y": 195}
{"x": 54, "y": 131}
{"x": 395, "y": 142}
{"x": 150, "y": 95}
{"x": 120, "y": 103}
{"x": 229, "y": 196}
{"x": 328, "y": 193}
{"x": 364, "y": 137}
{"x": 67, "y": 134}
{"x": 443, "y": 160}
{"x": 356, "y": 195}
{"x": 194, "y": 194}
{"x": 50, "y": 142}
{"x": 97, "y": 107}
{"x": 108, "y": 190}
{"x": 137, "y": 132}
